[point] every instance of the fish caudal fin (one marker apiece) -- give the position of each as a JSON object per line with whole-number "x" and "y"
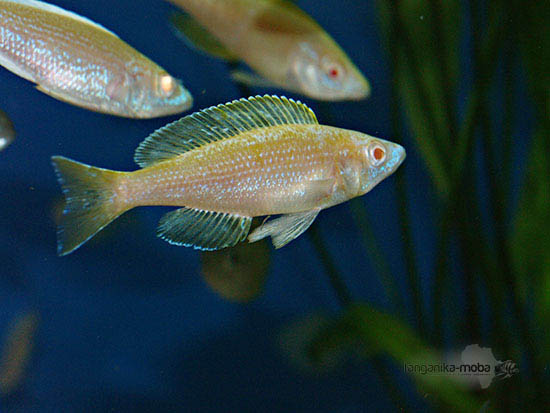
{"x": 90, "y": 202}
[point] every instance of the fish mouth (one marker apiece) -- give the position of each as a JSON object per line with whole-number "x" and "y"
{"x": 358, "y": 89}
{"x": 182, "y": 102}
{"x": 401, "y": 154}
{"x": 398, "y": 156}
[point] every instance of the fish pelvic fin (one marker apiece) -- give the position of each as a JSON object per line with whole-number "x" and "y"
{"x": 91, "y": 202}
{"x": 285, "y": 228}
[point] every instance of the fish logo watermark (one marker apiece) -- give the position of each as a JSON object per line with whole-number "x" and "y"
{"x": 506, "y": 369}
{"x": 475, "y": 366}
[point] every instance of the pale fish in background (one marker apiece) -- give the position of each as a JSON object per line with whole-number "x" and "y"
{"x": 80, "y": 62}
{"x": 7, "y": 132}
{"x": 237, "y": 274}
{"x": 224, "y": 165}
{"x": 16, "y": 352}
{"x": 278, "y": 40}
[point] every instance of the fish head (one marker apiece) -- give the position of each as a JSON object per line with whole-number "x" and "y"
{"x": 321, "y": 70}
{"x": 378, "y": 159}
{"x": 156, "y": 93}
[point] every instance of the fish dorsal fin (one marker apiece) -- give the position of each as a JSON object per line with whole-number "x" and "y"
{"x": 51, "y": 8}
{"x": 220, "y": 122}
{"x": 196, "y": 36}
{"x": 284, "y": 17}
{"x": 203, "y": 230}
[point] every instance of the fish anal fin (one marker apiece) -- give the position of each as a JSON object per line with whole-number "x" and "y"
{"x": 196, "y": 36}
{"x": 203, "y": 230}
{"x": 220, "y": 122}
{"x": 285, "y": 228}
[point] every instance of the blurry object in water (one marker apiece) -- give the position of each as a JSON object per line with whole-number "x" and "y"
{"x": 7, "y": 132}
{"x": 16, "y": 352}
{"x": 311, "y": 346}
{"x": 251, "y": 157}
{"x": 237, "y": 273}
{"x": 80, "y": 62}
{"x": 278, "y": 40}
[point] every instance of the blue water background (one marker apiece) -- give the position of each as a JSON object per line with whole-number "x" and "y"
{"x": 126, "y": 322}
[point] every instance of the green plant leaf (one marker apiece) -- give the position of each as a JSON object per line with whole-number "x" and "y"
{"x": 531, "y": 238}
{"x": 382, "y": 333}
{"x": 424, "y": 77}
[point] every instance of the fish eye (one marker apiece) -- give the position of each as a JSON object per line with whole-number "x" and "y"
{"x": 333, "y": 70}
{"x": 167, "y": 85}
{"x": 376, "y": 153}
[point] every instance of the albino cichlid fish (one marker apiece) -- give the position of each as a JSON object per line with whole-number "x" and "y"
{"x": 278, "y": 40}
{"x": 7, "y": 132}
{"x": 80, "y": 62}
{"x": 224, "y": 165}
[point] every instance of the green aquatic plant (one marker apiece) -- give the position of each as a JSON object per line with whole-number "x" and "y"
{"x": 503, "y": 263}
{"x": 491, "y": 249}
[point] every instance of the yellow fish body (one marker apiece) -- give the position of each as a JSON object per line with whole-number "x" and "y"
{"x": 80, "y": 62}
{"x": 283, "y": 44}
{"x": 224, "y": 165}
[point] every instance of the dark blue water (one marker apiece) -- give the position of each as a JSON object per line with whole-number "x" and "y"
{"x": 126, "y": 322}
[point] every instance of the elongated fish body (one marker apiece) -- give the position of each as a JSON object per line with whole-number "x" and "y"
{"x": 282, "y": 44}
{"x": 78, "y": 61}
{"x": 224, "y": 165}
{"x": 274, "y": 170}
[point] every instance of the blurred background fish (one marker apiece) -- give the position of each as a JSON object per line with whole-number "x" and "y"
{"x": 278, "y": 40}
{"x": 239, "y": 273}
{"x": 7, "y": 132}
{"x": 80, "y": 62}
{"x": 16, "y": 352}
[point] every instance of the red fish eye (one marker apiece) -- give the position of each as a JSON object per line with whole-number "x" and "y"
{"x": 378, "y": 154}
{"x": 333, "y": 72}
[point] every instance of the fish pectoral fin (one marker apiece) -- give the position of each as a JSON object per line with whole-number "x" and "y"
{"x": 285, "y": 228}
{"x": 251, "y": 79}
{"x": 196, "y": 36}
{"x": 203, "y": 230}
{"x": 319, "y": 190}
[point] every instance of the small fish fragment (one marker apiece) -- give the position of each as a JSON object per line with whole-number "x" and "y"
{"x": 237, "y": 274}
{"x": 77, "y": 61}
{"x": 223, "y": 166}
{"x": 278, "y": 40}
{"x": 7, "y": 132}
{"x": 16, "y": 352}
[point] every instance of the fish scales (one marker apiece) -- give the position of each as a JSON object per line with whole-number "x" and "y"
{"x": 255, "y": 173}
{"x": 59, "y": 51}
{"x": 82, "y": 63}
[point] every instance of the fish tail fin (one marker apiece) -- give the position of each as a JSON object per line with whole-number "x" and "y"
{"x": 91, "y": 202}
